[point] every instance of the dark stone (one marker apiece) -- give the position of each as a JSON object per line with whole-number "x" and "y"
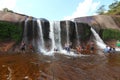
{"x": 64, "y": 31}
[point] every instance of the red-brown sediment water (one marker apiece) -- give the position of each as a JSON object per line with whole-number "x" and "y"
{"x": 34, "y": 66}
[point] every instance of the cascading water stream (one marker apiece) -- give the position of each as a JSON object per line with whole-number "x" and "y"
{"x": 67, "y": 30}
{"x": 76, "y": 29}
{"x": 41, "y": 45}
{"x": 33, "y": 40}
{"x": 99, "y": 41}
{"x": 57, "y": 35}
{"x": 25, "y": 31}
{"x": 52, "y": 36}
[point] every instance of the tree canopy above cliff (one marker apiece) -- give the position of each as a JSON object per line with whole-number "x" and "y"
{"x": 7, "y": 10}
{"x": 114, "y": 9}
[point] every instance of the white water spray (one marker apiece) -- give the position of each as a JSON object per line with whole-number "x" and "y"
{"x": 41, "y": 45}
{"x": 52, "y": 35}
{"x": 99, "y": 41}
{"x": 57, "y": 35}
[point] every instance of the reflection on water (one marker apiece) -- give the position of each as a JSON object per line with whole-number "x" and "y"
{"x": 31, "y": 66}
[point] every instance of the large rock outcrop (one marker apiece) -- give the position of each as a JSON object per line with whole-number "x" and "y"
{"x": 68, "y": 28}
{"x": 101, "y": 21}
{"x": 12, "y": 17}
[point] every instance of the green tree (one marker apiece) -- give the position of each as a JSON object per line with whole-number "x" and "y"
{"x": 101, "y": 9}
{"x": 114, "y": 9}
{"x": 7, "y": 10}
{"x": 114, "y": 5}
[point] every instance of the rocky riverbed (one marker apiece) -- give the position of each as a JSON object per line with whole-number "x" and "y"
{"x": 34, "y": 66}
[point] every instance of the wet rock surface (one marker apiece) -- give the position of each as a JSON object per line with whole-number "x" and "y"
{"x": 33, "y": 66}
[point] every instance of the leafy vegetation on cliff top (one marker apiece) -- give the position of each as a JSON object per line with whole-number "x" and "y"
{"x": 114, "y": 9}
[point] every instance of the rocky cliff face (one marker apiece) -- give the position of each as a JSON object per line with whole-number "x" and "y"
{"x": 101, "y": 21}
{"x": 68, "y": 28}
{"x": 12, "y": 17}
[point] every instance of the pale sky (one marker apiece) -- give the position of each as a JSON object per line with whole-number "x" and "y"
{"x": 54, "y": 9}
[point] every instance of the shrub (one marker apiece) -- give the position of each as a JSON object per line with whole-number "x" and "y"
{"x": 110, "y": 34}
{"x": 10, "y": 31}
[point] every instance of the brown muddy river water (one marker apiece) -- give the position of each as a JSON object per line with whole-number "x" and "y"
{"x": 29, "y": 66}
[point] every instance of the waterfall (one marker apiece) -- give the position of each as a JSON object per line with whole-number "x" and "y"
{"x": 67, "y": 30}
{"x": 33, "y": 40}
{"x": 25, "y": 31}
{"x": 99, "y": 41}
{"x": 57, "y": 35}
{"x": 52, "y": 35}
{"x": 41, "y": 45}
{"x": 76, "y": 29}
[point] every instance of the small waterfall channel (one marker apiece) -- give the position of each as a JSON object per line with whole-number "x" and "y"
{"x": 25, "y": 31}
{"x": 57, "y": 35}
{"x": 76, "y": 29}
{"x": 99, "y": 41}
{"x": 54, "y": 35}
{"x": 41, "y": 45}
{"x": 67, "y": 30}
